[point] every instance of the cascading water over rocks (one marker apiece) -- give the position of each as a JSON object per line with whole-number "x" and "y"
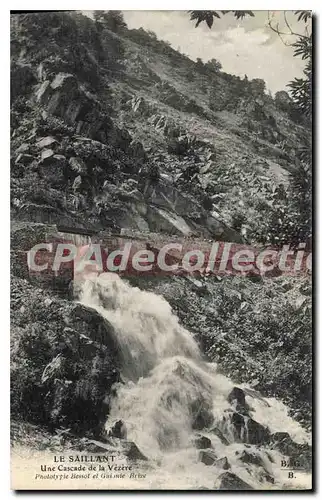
{"x": 190, "y": 421}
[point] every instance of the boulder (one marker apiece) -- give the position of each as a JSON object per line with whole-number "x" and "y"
{"x": 257, "y": 433}
{"x": 102, "y": 332}
{"x": 23, "y": 148}
{"x": 64, "y": 81}
{"x": 24, "y": 158}
{"x": 265, "y": 477}
{"x": 299, "y": 454}
{"x": 237, "y": 398}
{"x": 207, "y": 457}
{"x": 58, "y": 94}
{"x": 60, "y": 158}
{"x": 248, "y": 430}
{"x": 220, "y": 435}
{"x": 229, "y": 481}
{"x": 202, "y": 442}
{"x": 46, "y": 154}
{"x": 238, "y": 423}
{"x": 118, "y": 430}
{"x": 45, "y": 142}
{"x": 238, "y": 395}
{"x": 221, "y": 231}
{"x": 202, "y": 416}
{"x": 281, "y": 437}
{"x": 222, "y": 463}
{"x": 132, "y": 452}
{"x": 250, "y": 458}
{"x": 93, "y": 446}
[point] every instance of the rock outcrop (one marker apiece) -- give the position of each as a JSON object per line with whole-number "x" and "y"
{"x": 208, "y": 457}
{"x": 201, "y": 442}
{"x": 63, "y": 359}
{"x": 229, "y": 481}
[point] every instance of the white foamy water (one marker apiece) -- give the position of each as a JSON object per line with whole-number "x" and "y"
{"x": 168, "y": 389}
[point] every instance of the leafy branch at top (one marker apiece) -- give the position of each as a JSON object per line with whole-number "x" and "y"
{"x": 304, "y": 15}
{"x": 300, "y": 88}
{"x": 208, "y": 16}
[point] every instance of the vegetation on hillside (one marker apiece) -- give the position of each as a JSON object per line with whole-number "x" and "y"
{"x": 290, "y": 220}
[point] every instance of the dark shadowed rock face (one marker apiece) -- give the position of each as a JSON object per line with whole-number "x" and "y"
{"x": 101, "y": 331}
{"x": 238, "y": 423}
{"x": 63, "y": 360}
{"x": 300, "y": 454}
{"x": 250, "y": 458}
{"x": 229, "y": 481}
{"x": 129, "y": 448}
{"x": 207, "y": 457}
{"x": 238, "y": 395}
{"x": 223, "y": 463}
{"x": 257, "y": 433}
{"x": 202, "y": 416}
{"x": 220, "y": 435}
{"x": 202, "y": 442}
{"x": 132, "y": 452}
{"x": 118, "y": 430}
{"x": 93, "y": 446}
{"x": 237, "y": 398}
{"x": 248, "y": 430}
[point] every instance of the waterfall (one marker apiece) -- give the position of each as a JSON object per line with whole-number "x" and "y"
{"x": 170, "y": 395}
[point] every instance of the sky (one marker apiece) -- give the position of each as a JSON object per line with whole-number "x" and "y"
{"x": 246, "y": 46}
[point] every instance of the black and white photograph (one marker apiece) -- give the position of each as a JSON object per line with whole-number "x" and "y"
{"x": 161, "y": 250}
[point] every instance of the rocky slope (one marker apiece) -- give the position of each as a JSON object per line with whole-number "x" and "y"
{"x": 91, "y": 111}
{"x": 85, "y": 120}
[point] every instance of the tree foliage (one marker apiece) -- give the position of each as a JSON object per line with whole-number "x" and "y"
{"x": 213, "y": 65}
{"x": 208, "y": 16}
{"x": 300, "y": 88}
{"x": 257, "y": 86}
{"x": 110, "y": 19}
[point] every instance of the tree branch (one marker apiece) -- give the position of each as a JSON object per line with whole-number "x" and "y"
{"x": 290, "y": 32}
